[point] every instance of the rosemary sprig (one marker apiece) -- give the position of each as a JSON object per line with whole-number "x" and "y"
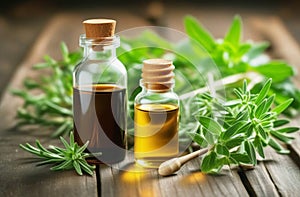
{"x": 238, "y": 129}
{"x": 51, "y": 104}
{"x": 70, "y": 157}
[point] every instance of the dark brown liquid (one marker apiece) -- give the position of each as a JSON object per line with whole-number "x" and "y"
{"x": 100, "y": 118}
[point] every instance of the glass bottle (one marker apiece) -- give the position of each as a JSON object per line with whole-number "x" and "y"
{"x": 99, "y": 93}
{"x": 156, "y": 115}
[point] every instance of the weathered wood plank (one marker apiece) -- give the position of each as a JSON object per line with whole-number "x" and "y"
{"x": 258, "y": 181}
{"x": 132, "y": 180}
{"x": 284, "y": 173}
{"x": 190, "y": 181}
{"x": 128, "y": 180}
{"x": 15, "y": 37}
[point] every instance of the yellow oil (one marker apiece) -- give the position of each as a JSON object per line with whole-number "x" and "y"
{"x": 156, "y": 134}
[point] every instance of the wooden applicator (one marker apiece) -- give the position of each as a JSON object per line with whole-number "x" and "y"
{"x": 173, "y": 165}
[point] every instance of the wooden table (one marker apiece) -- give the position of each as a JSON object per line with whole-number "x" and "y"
{"x": 279, "y": 175}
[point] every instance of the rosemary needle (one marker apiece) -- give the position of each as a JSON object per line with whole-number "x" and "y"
{"x": 72, "y": 156}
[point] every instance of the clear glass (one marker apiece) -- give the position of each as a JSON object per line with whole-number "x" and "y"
{"x": 156, "y": 120}
{"x": 100, "y": 64}
{"x": 99, "y": 100}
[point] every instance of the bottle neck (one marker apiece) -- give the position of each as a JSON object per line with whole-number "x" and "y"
{"x": 98, "y": 52}
{"x": 157, "y": 87}
{"x": 103, "y": 48}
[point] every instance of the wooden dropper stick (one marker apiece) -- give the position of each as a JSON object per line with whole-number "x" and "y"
{"x": 173, "y": 165}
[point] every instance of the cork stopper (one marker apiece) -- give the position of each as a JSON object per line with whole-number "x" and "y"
{"x": 99, "y": 28}
{"x": 157, "y": 74}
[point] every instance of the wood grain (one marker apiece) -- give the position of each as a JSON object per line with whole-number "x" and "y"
{"x": 16, "y": 37}
{"x": 190, "y": 181}
{"x": 284, "y": 173}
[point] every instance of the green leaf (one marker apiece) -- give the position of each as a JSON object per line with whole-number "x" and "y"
{"x": 41, "y": 65}
{"x": 65, "y": 52}
{"x": 72, "y": 143}
{"x": 260, "y": 109}
{"x": 82, "y": 148}
{"x": 232, "y": 130}
{"x": 234, "y": 142}
{"x": 264, "y": 91}
{"x": 39, "y": 145}
{"x": 210, "y": 124}
{"x": 277, "y": 70}
{"x": 280, "y": 108}
{"x": 245, "y": 86}
{"x": 241, "y": 158}
{"x": 257, "y": 50}
{"x": 86, "y": 167}
{"x": 208, "y": 162}
{"x": 242, "y": 49}
{"x": 233, "y": 35}
{"x": 65, "y": 143}
{"x": 210, "y": 138}
{"x": 269, "y": 103}
{"x": 198, "y": 139}
{"x": 222, "y": 150}
{"x": 288, "y": 130}
{"x": 77, "y": 167}
{"x": 262, "y": 133}
{"x": 275, "y": 145}
{"x": 232, "y": 103}
{"x": 197, "y": 32}
{"x": 243, "y": 116}
{"x": 259, "y": 147}
{"x": 249, "y": 148}
{"x": 284, "y": 138}
{"x": 64, "y": 165}
{"x": 279, "y": 123}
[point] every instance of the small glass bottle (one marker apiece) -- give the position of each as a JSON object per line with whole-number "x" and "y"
{"x": 156, "y": 115}
{"x": 99, "y": 93}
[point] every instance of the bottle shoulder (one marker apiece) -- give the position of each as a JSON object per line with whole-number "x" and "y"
{"x": 98, "y": 66}
{"x": 94, "y": 71}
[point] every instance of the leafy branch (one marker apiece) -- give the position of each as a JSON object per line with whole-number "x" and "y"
{"x": 52, "y": 105}
{"x": 70, "y": 157}
{"x": 238, "y": 129}
{"x": 232, "y": 56}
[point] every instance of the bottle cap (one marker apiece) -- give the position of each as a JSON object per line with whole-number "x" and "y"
{"x": 157, "y": 74}
{"x": 99, "y": 28}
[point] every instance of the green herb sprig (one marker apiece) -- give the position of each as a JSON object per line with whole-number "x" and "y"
{"x": 51, "y": 104}
{"x": 70, "y": 157}
{"x": 232, "y": 56}
{"x": 235, "y": 130}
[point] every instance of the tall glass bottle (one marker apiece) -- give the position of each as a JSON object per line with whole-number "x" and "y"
{"x": 99, "y": 93}
{"x": 156, "y": 115}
